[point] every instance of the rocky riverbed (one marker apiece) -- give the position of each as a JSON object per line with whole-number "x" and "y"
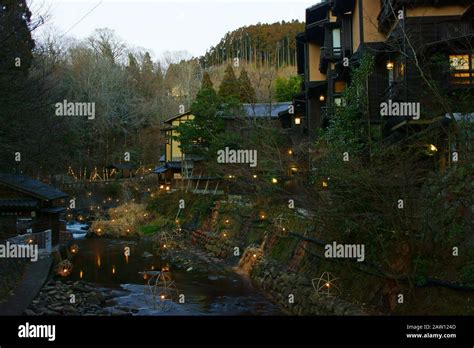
{"x": 77, "y": 298}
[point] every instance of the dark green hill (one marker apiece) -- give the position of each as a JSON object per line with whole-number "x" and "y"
{"x": 260, "y": 44}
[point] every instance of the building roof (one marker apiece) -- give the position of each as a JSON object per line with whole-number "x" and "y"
{"x": 18, "y": 203}
{"x": 262, "y": 110}
{"x": 31, "y": 186}
{"x": 167, "y": 166}
{"x": 121, "y": 166}
{"x": 177, "y": 116}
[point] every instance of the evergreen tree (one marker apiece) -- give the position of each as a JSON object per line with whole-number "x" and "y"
{"x": 16, "y": 44}
{"x": 230, "y": 85}
{"x": 16, "y": 93}
{"x": 133, "y": 68}
{"x": 247, "y": 92}
{"x": 196, "y": 136}
{"x": 206, "y": 81}
{"x": 147, "y": 64}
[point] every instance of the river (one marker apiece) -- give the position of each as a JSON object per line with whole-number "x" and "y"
{"x": 196, "y": 291}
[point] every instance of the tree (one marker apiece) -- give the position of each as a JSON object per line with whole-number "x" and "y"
{"x": 105, "y": 43}
{"x": 16, "y": 45}
{"x": 247, "y": 92}
{"x": 206, "y": 133}
{"x": 196, "y": 136}
{"x": 206, "y": 81}
{"x": 133, "y": 69}
{"x": 285, "y": 89}
{"x": 230, "y": 85}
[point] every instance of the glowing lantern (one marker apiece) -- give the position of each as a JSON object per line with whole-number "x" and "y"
{"x": 74, "y": 248}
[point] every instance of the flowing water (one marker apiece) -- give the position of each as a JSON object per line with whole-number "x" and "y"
{"x": 211, "y": 292}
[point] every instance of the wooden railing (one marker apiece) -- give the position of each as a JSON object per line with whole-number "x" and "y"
{"x": 42, "y": 239}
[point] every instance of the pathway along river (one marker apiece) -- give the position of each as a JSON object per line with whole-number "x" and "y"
{"x": 207, "y": 291}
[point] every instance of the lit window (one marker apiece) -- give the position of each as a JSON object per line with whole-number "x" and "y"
{"x": 461, "y": 67}
{"x": 459, "y": 62}
{"x": 339, "y": 86}
{"x": 293, "y": 171}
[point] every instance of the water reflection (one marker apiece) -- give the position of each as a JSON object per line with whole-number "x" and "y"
{"x": 99, "y": 260}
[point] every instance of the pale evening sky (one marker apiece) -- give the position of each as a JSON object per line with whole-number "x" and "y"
{"x": 164, "y": 25}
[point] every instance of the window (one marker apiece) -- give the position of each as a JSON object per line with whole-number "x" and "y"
{"x": 339, "y": 86}
{"x": 461, "y": 66}
{"x": 292, "y": 171}
{"x": 399, "y": 71}
{"x": 336, "y": 41}
{"x": 396, "y": 70}
{"x": 338, "y": 101}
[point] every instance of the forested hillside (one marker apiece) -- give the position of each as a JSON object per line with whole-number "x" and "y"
{"x": 260, "y": 44}
{"x": 131, "y": 90}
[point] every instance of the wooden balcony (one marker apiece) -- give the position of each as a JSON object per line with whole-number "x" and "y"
{"x": 389, "y": 7}
{"x": 329, "y": 54}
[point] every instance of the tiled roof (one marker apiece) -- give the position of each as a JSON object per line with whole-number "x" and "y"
{"x": 262, "y": 110}
{"x": 265, "y": 109}
{"x": 31, "y": 186}
{"x": 18, "y": 203}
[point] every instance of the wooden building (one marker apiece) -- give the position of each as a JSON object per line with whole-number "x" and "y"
{"x": 179, "y": 169}
{"x": 121, "y": 170}
{"x": 263, "y": 113}
{"x": 30, "y": 206}
{"x": 401, "y": 35}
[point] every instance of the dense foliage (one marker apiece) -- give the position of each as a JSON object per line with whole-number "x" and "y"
{"x": 260, "y": 44}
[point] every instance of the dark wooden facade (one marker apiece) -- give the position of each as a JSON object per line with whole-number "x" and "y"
{"x": 342, "y": 31}
{"x": 28, "y": 205}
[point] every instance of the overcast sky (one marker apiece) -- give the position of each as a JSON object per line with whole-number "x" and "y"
{"x": 160, "y": 25}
